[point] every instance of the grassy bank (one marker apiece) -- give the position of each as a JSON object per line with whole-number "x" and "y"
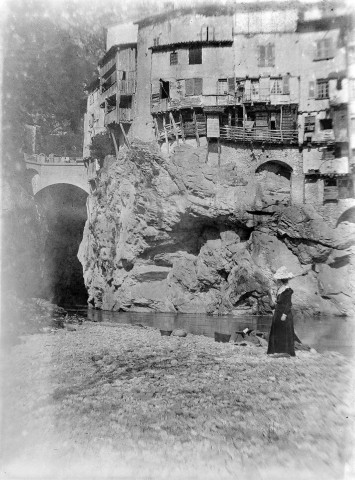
{"x": 123, "y": 402}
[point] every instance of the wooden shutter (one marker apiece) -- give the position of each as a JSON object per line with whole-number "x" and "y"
{"x": 197, "y": 86}
{"x": 231, "y": 85}
{"x": 261, "y": 56}
{"x": 204, "y": 33}
{"x": 286, "y": 85}
{"x": 311, "y": 90}
{"x": 189, "y": 86}
{"x": 270, "y": 55}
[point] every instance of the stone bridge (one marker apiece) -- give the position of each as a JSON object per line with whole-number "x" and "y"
{"x": 50, "y": 170}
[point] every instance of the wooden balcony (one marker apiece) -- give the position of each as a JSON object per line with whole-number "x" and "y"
{"x": 105, "y": 68}
{"x": 238, "y": 134}
{"x": 112, "y": 90}
{"x": 111, "y": 117}
{"x": 127, "y": 87}
{"x": 125, "y": 115}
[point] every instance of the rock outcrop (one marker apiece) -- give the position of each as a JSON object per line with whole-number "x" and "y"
{"x": 178, "y": 234}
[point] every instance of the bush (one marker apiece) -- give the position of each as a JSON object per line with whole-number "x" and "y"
{"x": 101, "y": 146}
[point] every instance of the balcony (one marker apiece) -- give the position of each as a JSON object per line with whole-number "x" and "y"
{"x": 125, "y": 115}
{"x": 238, "y": 134}
{"x": 127, "y": 87}
{"x": 105, "y": 68}
{"x": 111, "y": 117}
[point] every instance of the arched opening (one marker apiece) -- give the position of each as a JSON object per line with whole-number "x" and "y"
{"x": 347, "y": 216}
{"x": 274, "y": 183}
{"x": 64, "y": 209}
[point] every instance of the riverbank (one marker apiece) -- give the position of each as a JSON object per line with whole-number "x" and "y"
{"x": 104, "y": 401}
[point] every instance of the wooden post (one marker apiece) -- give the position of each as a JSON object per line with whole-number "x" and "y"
{"x": 125, "y": 136}
{"x": 157, "y": 135}
{"x": 196, "y": 130}
{"x": 182, "y": 129}
{"x": 243, "y": 106}
{"x": 229, "y": 119}
{"x": 174, "y": 127}
{"x": 281, "y": 122}
{"x": 166, "y": 133}
{"x": 114, "y": 141}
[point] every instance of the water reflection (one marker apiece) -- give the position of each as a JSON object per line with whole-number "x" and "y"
{"x": 323, "y": 333}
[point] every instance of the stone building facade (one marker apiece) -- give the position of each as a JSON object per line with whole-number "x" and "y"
{"x": 266, "y": 87}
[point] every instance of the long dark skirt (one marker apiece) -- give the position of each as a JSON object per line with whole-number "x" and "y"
{"x": 281, "y": 337}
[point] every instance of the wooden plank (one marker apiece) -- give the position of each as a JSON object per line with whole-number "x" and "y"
{"x": 182, "y": 128}
{"x": 196, "y": 130}
{"x": 156, "y": 129}
{"x": 174, "y": 127}
{"x": 125, "y": 136}
{"x": 281, "y": 121}
{"x": 114, "y": 141}
{"x": 166, "y": 133}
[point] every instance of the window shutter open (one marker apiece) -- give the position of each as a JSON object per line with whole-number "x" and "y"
{"x": 286, "y": 85}
{"x": 270, "y": 55}
{"x": 189, "y": 86}
{"x": 311, "y": 92}
{"x": 261, "y": 56}
{"x": 198, "y": 86}
{"x": 231, "y": 86}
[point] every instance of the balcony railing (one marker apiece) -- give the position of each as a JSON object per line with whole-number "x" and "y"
{"x": 105, "y": 68}
{"x": 51, "y": 159}
{"x": 258, "y": 135}
{"x": 109, "y": 92}
{"x": 127, "y": 87}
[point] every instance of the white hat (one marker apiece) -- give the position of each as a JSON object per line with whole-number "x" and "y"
{"x": 283, "y": 274}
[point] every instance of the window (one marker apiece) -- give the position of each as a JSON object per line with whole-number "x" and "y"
{"x": 193, "y": 86}
{"x": 207, "y": 33}
{"x": 195, "y": 55}
{"x": 222, "y": 86}
{"x": 173, "y": 58}
{"x": 123, "y": 75}
{"x": 255, "y": 87}
{"x": 309, "y": 123}
{"x": 266, "y": 55}
{"x": 322, "y": 89}
{"x": 276, "y": 86}
{"x": 164, "y": 89}
{"x": 326, "y": 124}
{"x": 156, "y": 41}
{"x": 324, "y": 49}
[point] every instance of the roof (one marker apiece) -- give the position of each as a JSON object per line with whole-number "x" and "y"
{"x": 112, "y": 52}
{"x": 199, "y": 43}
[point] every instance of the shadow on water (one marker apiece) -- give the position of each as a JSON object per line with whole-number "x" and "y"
{"x": 322, "y": 333}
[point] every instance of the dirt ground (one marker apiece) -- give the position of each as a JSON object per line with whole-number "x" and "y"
{"x": 125, "y": 402}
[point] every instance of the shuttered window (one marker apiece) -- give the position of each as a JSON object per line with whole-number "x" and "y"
{"x": 195, "y": 55}
{"x": 309, "y": 123}
{"x": 222, "y": 86}
{"x": 276, "y": 86}
{"x": 286, "y": 85}
{"x": 266, "y": 55}
{"x": 322, "y": 89}
{"x": 173, "y": 58}
{"x": 231, "y": 86}
{"x": 324, "y": 49}
{"x": 193, "y": 86}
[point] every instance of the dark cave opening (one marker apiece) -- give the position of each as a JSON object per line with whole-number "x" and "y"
{"x": 64, "y": 210}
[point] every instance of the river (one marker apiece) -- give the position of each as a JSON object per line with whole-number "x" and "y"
{"x": 322, "y": 333}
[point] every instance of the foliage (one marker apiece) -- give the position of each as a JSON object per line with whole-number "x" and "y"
{"x": 101, "y": 146}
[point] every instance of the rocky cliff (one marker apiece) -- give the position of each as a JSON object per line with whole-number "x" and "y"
{"x": 178, "y": 234}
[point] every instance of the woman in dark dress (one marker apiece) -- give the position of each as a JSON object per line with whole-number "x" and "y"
{"x": 281, "y": 337}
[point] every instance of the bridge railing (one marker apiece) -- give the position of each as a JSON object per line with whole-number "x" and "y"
{"x": 43, "y": 159}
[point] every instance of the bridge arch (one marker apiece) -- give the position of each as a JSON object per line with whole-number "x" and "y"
{"x": 44, "y": 183}
{"x": 347, "y": 216}
{"x": 63, "y": 206}
{"x": 276, "y": 167}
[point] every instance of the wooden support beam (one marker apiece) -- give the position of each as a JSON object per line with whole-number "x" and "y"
{"x": 166, "y": 133}
{"x": 243, "y": 106}
{"x": 157, "y": 136}
{"x": 229, "y": 119}
{"x": 182, "y": 128}
{"x": 196, "y": 129}
{"x": 219, "y": 152}
{"x": 127, "y": 142}
{"x": 281, "y": 122}
{"x": 114, "y": 141}
{"x": 174, "y": 127}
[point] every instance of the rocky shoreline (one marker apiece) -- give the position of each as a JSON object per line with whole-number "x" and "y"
{"x": 122, "y": 401}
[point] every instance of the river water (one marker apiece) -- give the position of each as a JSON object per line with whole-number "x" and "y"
{"x": 322, "y": 333}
